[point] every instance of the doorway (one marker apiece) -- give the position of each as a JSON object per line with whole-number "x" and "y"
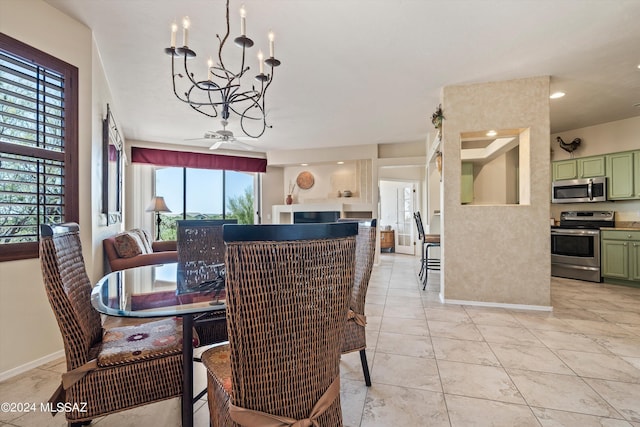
{"x": 397, "y": 201}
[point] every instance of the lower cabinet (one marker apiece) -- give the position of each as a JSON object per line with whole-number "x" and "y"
{"x": 620, "y": 256}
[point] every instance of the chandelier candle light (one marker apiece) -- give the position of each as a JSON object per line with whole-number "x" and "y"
{"x": 222, "y": 92}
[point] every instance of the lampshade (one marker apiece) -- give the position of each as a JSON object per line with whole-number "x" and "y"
{"x": 157, "y": 204}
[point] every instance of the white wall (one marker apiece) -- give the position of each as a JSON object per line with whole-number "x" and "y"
{"x": 621, "y": 135}
{"x": 23, "y": 300}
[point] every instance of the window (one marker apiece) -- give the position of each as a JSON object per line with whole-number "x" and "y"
{"x": 38, "y": 140}
{"x": 193, "y": 193}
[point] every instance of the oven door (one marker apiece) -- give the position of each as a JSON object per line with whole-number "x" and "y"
{"x": 575, "y": 247}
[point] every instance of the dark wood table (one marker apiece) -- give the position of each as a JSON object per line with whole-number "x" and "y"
{"x": 152, "y": 291}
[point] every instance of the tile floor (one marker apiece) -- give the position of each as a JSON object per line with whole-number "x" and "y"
{"x": 437, "y": 365}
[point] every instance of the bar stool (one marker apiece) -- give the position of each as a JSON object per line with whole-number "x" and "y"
{"x": 430, "y": 240}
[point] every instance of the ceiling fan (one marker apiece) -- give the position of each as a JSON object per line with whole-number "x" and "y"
{"x": 223, "y": 137}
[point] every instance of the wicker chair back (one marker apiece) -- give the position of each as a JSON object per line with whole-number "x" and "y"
{"x": 200, "y": 249}
{"x": 288, "y": 292}
{"x": 69, "y": 291}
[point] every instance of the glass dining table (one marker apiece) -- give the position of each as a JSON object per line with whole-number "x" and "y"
{"x": 156, "y": 291}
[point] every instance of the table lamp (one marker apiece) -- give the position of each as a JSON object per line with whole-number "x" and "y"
{"x": 158, "y": 205}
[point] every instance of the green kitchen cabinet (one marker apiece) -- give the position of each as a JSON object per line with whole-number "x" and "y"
{"x": 620, "y": 256}
{"x": 466, "y": 183}
{"x": 622, "y": 175}
{"x": 565, "y": 169}
{"x": 636, "y": 174}
{"x": 585, "y": 167}
{"x": 591, "y": 167}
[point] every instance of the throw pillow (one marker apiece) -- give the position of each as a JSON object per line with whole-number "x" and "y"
{"x": 128, "y": 245}
{"x": 145, "y": 239}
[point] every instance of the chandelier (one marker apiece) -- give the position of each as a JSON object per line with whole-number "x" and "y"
{"x": 224, "y": 91}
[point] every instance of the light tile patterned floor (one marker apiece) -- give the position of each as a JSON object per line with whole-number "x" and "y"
{"x": 451, "y": 365}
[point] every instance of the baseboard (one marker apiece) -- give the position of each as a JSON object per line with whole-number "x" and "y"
{"x": 496, "y": 304}
{"x": 28, "y": 366}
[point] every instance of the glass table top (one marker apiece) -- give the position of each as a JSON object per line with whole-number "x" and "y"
{"x": 158, "y": 291}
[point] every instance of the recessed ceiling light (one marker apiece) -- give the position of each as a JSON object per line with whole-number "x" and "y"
{"x": 304, "y": 164}
{"x": 341, "y": 163}
{"x": 556, "y": 95}
{"x": 492, "y": 133}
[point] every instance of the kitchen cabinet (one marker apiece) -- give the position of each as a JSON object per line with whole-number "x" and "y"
{"x": 623, "y": 175}
{"x": 591, "y": 167}
{"x": 585, "y": 167}
{"x": 565, "y": 169}
{"x": 466, "y": 183}
{"x": 388, "y": 240}
{"x": 636, "y": 174}
{"x": 620, "y": 262}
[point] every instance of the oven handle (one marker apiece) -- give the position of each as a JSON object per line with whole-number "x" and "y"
{"x": 572, "y": 232}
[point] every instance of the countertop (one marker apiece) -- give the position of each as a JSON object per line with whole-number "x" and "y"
{"x": 621, "y": 228}
{"x": 624, "y": 226}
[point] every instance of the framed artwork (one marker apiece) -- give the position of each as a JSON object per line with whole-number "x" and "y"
{"x": 112, "y": 168}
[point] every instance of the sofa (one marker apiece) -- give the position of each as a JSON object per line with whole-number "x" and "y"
{"x": 135, "y": 248}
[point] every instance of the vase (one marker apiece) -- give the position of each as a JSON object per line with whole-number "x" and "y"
{"x": 439, "y": 162}
{"x": 289, "y": 199}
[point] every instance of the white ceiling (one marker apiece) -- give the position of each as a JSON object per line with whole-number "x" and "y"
{"x": 370, "y": 71}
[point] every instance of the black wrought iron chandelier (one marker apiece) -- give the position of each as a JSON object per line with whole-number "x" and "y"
{"x": 222, "y": 93}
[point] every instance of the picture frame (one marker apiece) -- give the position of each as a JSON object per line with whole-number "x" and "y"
{"x": 112, "y": 169}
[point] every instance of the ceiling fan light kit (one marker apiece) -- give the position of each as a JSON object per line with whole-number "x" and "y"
{"x": 222, "y": 93}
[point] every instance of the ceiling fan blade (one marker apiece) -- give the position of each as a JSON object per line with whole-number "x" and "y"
{"x": 216, "y": 145}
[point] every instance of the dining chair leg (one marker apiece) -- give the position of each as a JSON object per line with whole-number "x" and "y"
{"x": 422, "y": 262}
{"x": 365, "y": 367}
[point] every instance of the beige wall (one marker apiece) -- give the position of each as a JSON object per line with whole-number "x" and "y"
{"x": 621, "y": 135}
{"x": 28, "y": 330}
{"x": 497, "y": 254}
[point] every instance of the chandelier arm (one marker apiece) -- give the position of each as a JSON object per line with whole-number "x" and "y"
{"x": 196, "y": 108}
{"x": 223, "y": 41}
{"x": 189, "y": 74}
{"x": 173, "y": 80}
{"x": 243, "y": 116}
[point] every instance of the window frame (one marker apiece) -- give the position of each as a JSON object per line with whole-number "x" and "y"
{"x": 69, "y": 157}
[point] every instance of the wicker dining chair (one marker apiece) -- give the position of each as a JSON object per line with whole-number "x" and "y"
{"x": 288, "y": 292}
{"x": 107, "y": 370}
{"x": 200, "y": 258}
{"x": 355, "y": 338}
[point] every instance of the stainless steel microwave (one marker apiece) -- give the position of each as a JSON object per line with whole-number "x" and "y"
{"x": 579, "y": 190}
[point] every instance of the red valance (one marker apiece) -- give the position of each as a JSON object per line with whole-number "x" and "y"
{"x": 197, "y": 160}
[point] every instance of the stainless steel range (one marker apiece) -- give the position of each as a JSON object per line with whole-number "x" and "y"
{"x": 575, "y": 244}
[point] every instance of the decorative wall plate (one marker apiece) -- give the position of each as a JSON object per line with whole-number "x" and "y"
{"x": 305, "y": 180}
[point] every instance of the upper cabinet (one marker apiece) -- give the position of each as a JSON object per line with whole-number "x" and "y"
{"x": 623, "y": 175}
{"x": 565, "y": 169}
{"x": 621, "y": 169}
{"x": 586, "y": 167}
{"x": 591, "y": 167}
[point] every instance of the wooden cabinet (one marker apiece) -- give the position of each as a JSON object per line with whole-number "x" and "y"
{"x": 586, "y": 167}
{"x": 388, "y": 240}
{"x": 623, "y": 175}
{"x": 466, "y": 183}
{"x": 620, "y": 261}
